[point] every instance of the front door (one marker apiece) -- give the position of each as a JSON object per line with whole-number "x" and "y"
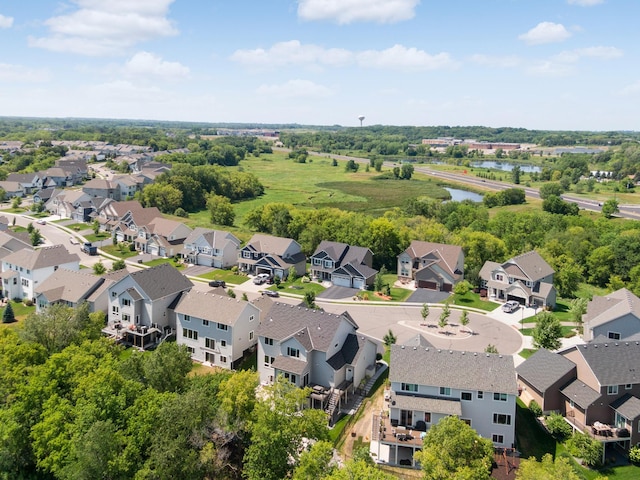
{"x": 349, "y": 374}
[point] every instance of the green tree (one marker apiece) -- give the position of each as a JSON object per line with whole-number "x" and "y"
{"x": 600, "y": 265}
{"x": 95, "y": 226}
{"x": 490, "y": 349}
{"x": 309, "y": 299}
{"x": 237, "y": 399}
{"x": 610, "y": 208}
{"x": 389, "y": 338}
{"x": 99, "y": 268}
{"x": 8, "y": 316}
{"x": 35, "y": 237}
{"x": 166, "y": 370}
{"x": 546, "y": 469}
{"x": 444, "y": 316}
{"x": 378, "y": 282}
{"x": 165, "y": 197}
{"x": 577, "y": 309}
{"x": 220, "y": 210}
{"x": 360, "y": 470}
{"x": 453, "y": 450}
{"x": 280, "y": 424}
{"x": 424, "y": 312}
{"x": 515, "y": 174}
{"x": 315, "y": 463}
{"x": 547, "y": 332}
{"x": 464, "y": 318}
{"x": 351, "y": 166}
{"x": 406, "y": 171}
{"x": 118, "y": 265}
{"x": 15, "y": 203}
{"x": 549, "y": 189}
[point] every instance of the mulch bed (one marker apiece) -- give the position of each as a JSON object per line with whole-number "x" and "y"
{"x": 505, "y": 467}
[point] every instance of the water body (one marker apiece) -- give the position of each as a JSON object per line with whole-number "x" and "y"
{"x": 505, "y": 167}
{"x": 458, "y": 195}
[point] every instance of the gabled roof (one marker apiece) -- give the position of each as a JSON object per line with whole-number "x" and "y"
{"x": 288, "y": 321}
{"x": 531, "y": 264}
{"x": 211, "y": 306}
{"x": 41, "y": 258}
{"x": 454, "y": 369}
{"x": 604, "y": 309}
{"x": 160, "y": 281}
{"x": 164, "y": 226}
{"x": 270, "y": 244}
{"x": 448, "y": 254}
{"x": 612, "y": 363}
{"x": 343, "y": 253}
{"x": 544, "y": 368}
{"x": 580, "y": 393}
{"x": 628, "y": 406}
{"x": 99, "y": 183}
{"x": 349, "y": 352}
{"x": 68, "y": 285}
{"x": 214, "y": 238}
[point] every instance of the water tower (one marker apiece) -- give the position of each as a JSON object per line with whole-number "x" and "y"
{"x": 361, "y": 118}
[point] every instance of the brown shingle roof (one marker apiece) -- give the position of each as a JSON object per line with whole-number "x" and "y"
{"x": 211, "y": 306}
{"x": 69, "y": 285}
{"x": 41, "y": 258}
{"x": 449, "y": 254}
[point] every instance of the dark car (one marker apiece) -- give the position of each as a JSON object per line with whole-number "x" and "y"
{"x": 217, "y": 283}
{"x": 270, "y": 293}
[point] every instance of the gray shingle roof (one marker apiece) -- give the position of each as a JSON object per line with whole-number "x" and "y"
{"x": 68, "y": 285}
{"x": 628, "y": 406}
{"x": 604, "y": 309}
{"x": 270, "y": 244}
{"x": 613, "y": 363}
{"x": 531, "y": 264}
{"x": 41, "y": 258}
{"x": 544, "y": 368}
{"x": 426, "y": 404}
{"x": 211, "y": 306}
{"x": 581, "y": 394}
{"x": 348, "y": 352}
{"x": 160, "y": 281}
{"x": 289, "y": 364}
{"x": 448, "y": 254}
{"x": 454, "y": 369}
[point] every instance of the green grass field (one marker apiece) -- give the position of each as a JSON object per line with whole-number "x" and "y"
{"x": 20, "y": 310}
{"x": 159, "y": 261}
{"x": 473, "y": 300}
{"x": 226, "y": 275}
{"x": 116, "y": 252}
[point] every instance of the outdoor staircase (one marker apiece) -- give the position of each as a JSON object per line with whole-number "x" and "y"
{"x": 332, "y": 403}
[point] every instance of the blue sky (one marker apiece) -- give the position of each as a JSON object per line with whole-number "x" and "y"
{"x": 544, "y": 64}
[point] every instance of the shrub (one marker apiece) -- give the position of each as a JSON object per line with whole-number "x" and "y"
{"x": 586, "y": 448}
{"x": 234, "y": 269}
{"x": 28, "y": 302}
{"x": 558, "y": 427}
{"x": 634, "y": 454}
{"x": 535, "y": 409}
{"x": 181, "y": 212}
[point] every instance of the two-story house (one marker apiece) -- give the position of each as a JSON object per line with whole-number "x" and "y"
{"x": 211, "y": 248}
{"x": 428, "y": 384}
{"x": 136, "y": 216}
{"x": 527, "y": 279}
{"x": 140, "y": 304}
{"x": 24, "y": 270}
{"x": 100, "y": 187}
{"x": 601, "y": 396}
{"x": 271, "y": 255}
{"x": 218, "y": 330}
{"x": 435, "y": 266}
{"x": 614, "y": 316}
{"x": 161, "y": 236}
{"x": 29, "y": 182}
{"x": 343, "y": 265}
{"x": 314, "y": 348}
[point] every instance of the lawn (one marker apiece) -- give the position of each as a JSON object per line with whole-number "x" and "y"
{"x": 161, "y": 261}
{"x": 93, "y": 237}
{"x": 299, "y": 287}
{"x": 20, "y": 310}
{"x": 527, "y": 352}
{"x": 76, "y": 227}
{"x": 473, "y": 300}
{"x": 226, "y": 275}
{"x": 116, "y": 251}
{"x": 250, "y": 362}
{"x": 567, "y": 331}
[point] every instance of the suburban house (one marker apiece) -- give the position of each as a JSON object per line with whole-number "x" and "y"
{"x": 66, "y": 203}
{"x": 271, "y": 255}
{"x": 11, "y": 242}
{"x": 218, "y": 330}
{"x": 71, "y": 288}
{"x": 161, "y": 236}
{"x": 435, "y": 266}
{"x": 343, "y": 265}
{"x": 211, "y": 248}
{"x": 125, "y": 217}
{"x": 428, "y": 384}
{"x": 24, "y": 270}
{"x": 601, "y": 396}
{"x": 613, "y": 316}
{"x": 140, "y": 305}
{"x": 29, "y": 182}
{"x": 45, "y": 194}
{"x": 314, "y": 348}
{"x": 58, "y": 177}
{"x": 527, "y": 279}
{"x": 12, "y": 189}
{"x": 100, "y": 187}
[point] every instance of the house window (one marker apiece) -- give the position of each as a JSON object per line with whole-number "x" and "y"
{"x": 291, "y": 377}
{"x": 222, "y": 326}
{"x": 268, "y": 341}
{"x": 612, "y": 390}
{"x": 571, "y": 404}
{"x": 628, "y": 386}
{"x": 115, "y": 310}
{"x": 445, "y": 391}
{"x": 191, "y": 350}
{"x": 497, "y": 438}
{"x": 251, "y": 335}
{"x": 500, "y": 397}
{"x": 268, "y": 360}
{"x": 223, "y": 359}
{"x": 409, "y": 387}
{"x": 317, "y": 261}
{"x": 501, "y": 419}
{"x": 614, "y": 335}
{"x": 427, "y": 417}
{"x": 210, "y": 357}
{"x": 293, "y": 352}
{"x": 223, "y": 343}
{"x": 210, "y": 343}
{"x": 187, "y": 333}
{"x": 251, "y": 318}
{"x": 126, "y": 318}
{"x": 114, "y": 294}
{"x": 25, "y": 282}
{"x": 246, "y": 254}
{"x": 466, "y": 396}
{"x": 480, "y": 394}
{"x": 126, "y": 302}
{"x": 499, "y": 277}
{"x": 205, "y": 323}
{"x": 466, "y": 420}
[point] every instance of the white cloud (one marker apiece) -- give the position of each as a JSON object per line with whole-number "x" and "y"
{"x": 20, "y": 73}
{"x": 508, "y": 61}
{"x": 631, "y": 89}
{"x": 145, "y": 63}
{"x": 292, "y": 53}
{"x": 6, "y": 22}
{"x": 348, "y": 11}
{"x": 545, "y": 32}
{"x": 549, "y": 68}
{"x": 602, "y": 53}
{"x": 585, "y": 3}
{"x": 401, "y": 57}
{"x": 295, "y": 88}
{"x": 100, "y": 28}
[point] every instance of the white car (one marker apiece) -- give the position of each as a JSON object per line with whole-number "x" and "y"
{"x": 510, "y": 306}
{"x": 261, "y": 278}
{"x": 74, "y": 240}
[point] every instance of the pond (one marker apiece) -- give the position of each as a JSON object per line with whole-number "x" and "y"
{"x": 505, "y": 166}
{"x": 458, "y": 195}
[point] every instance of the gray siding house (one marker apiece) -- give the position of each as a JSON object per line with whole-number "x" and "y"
{"x": 343, "y": 265}
{"x": 271, "y": 255}
{"x": 613, "y": 316}
{"x": 211, "y": 248}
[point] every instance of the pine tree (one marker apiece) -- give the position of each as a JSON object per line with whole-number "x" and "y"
{"x": 8, "y": 316}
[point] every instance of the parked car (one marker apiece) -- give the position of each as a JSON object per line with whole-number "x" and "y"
{"x": 260, "y": 278}
{"x": 510, "y": 306}
{"x": 74, "y": 240}
{"x": 270, "y": 293}
{"x": 217, "y": 283}
{"x": 41, "y": 222}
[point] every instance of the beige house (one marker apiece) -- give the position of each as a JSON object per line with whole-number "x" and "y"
{"x": 271, "y": 255}
{"x": 435, "y": 266}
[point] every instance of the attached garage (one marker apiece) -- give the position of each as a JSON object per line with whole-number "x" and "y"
{"x": 359, "y": 283}
{"x": 341, "y": 281}
{"x": 427, "y": 284}
{"x": 447, "y": 287}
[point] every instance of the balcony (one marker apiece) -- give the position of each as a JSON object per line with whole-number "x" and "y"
{"x": 386, "y": 433}
{"x": 599, "y": 431}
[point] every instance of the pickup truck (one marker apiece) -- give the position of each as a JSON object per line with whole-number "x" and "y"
{"x": 89, "y": 249}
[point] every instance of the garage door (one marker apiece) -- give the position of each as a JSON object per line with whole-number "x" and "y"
{"x": 358, "y": 283}
{"x": 447, "y": 287}
{"x": 517, "y": 299}
{"x": 429, "y": 285}
{"x": 341, "y": 281}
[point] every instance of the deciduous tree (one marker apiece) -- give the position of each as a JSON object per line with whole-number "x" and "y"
{"x": 547, "y": 332}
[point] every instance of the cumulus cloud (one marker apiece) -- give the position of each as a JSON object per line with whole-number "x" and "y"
{"x": 292, "y": 53}
{"x": 99, "y": 28}
{"x": 6, "y": 22}
{"x": 545, "y": 32}
{"x": 20, "y": 73}
{"x": 601, "y": 53}
{"x": 295, "y": 53}
{"x": 549, "y": 68}
{"x": 145, "y": 63}
{"x": 508, "y": 61}
{"x": 295, "y": 88}
{"x": 585, "y": 3}
{"x": 631, "y": 89}
{"x": 349, "y": 11}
